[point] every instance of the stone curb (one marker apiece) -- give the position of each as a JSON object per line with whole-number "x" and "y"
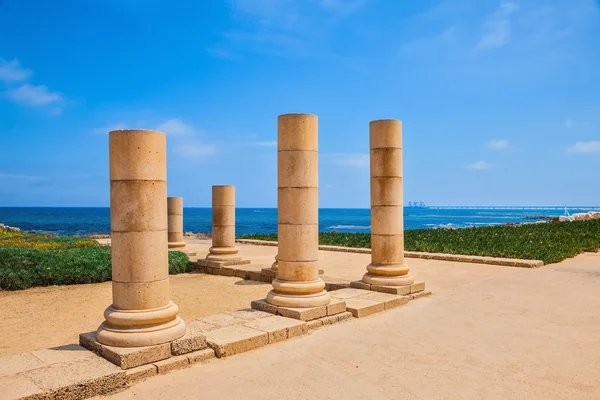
{"x": 505, "y": 262}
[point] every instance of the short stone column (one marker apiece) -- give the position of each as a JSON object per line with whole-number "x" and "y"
{"x": 175, "y": 215}
{"x": 387, "y": 266}
{"x": 223, "y": 251}
{"x": 298, "y": 283}
{"x": 141, "y": 313}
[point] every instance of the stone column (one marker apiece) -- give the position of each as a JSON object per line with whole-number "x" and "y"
{"x": 387, "y": 266}
{"x": 141, "y": 313}
{"x": 175, "y": 215}
{"x": 298, "y": 283}
{"x": 223, "y": 226}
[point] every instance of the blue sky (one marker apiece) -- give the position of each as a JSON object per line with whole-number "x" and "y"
{"x": 500, "y": 99}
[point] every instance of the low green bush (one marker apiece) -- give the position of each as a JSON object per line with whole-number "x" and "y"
{"x": 25, "y": 268}
{"x": 43, "y": 241}
{"x": 549, "y": 242}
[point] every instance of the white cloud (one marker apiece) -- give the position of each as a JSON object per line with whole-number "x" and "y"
{"x": 12, "y": 71}
{"x": 348, "y": 159}
{"x": 497, "y": 27}
{"x": 175, "y": 126}
{"x": 592, "y": 147}
{"x": 569, "y": 123}
{"x": 480, "y": 166}
{"x": 32, "y": 95}
{"x": 499, "y": 144}
{"x": 271, "y": 143}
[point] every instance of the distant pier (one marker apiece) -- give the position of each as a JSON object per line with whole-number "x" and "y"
{"x": 570, "y": 208}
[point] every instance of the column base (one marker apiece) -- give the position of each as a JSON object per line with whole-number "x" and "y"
{"x": 175, "y": 245}
{"x": 137, "y": 328}
{"x": 388, "y": 280}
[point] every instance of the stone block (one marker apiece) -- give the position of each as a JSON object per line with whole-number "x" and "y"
{"x": 19, "y": 387}
{"x": 397, "y": 290}
{"x": 347, "y": 293}
{"x": 417, "y": 287}
{"x": 228, "y": 271}
{"x": 262, "y": 305}
{"x": 336, "y": 306}
{"x": 254, "y": 275}
{"x": 329, "y": 320}
{"x": 221, "y": 320}
{"x": 173, "y": 363}
{"x": 79, "y": 379}
{"x": 126, "y": 357}
{"x": 361, "y": 307}
{"x": 388, "y": 300}
{"x": 12, "y": 365}
{"x": 61, "y": 354}
{"x": 266, "y": 279}
{"x": 360, "y": 285}
{"x": 142, "y": 372}
{"x": 268, "y": 272}
{"x": 235, "y": 339}
{"x": 198, "y": 327}
{"x": 344, "y": 316}
{"x": 278, "y": 328}
{"x": 191, "y": 341}
{"x": 420, "y": 294}
{"x": 200, "y": 355}
{"x": 249, "y": 314}
{"x": 314, "y": 324}
{"x": 303, "y": 314}
{"x": 337, "y": 286}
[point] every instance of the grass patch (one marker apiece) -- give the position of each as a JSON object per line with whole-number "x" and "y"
{"x": 549, "y": 242}
{"x": 29, "y": 260}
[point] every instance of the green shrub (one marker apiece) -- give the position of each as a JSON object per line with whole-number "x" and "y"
{"x": 24, "y": 268}
{"x": 549, "y": 242}
{"x": 43, "y": 241}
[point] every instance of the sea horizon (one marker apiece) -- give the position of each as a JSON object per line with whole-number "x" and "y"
{"x": 263, "y": 220}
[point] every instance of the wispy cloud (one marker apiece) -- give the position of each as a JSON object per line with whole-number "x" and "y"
{"x": 186, "y": 140}
{"x": 480, "y": 166}
{"x": 499, "y": 144}
{"x": 12, "y": 71}
{"x": 283, "y": 27}
{"x": 569, "y": 123}
{"x": 347, "y": 159}
{"x": 175, "y": 126}
{"x": 32, "y": 95}
{"x": 20, "y": 177}
{"x": 270, "y": 143}
{"x": 497, "y": 27}
{"x": 591, "y": 147}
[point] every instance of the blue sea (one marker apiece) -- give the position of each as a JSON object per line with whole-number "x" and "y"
{"x": 86, "y": 220}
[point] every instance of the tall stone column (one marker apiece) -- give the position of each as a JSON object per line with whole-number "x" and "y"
{"x": 175, "y": 215}
{"x": 387, "y": 266}
{"x": 298, "y": 283}
{"x": 141, "y": 313}
{"x": 223, "y": 226}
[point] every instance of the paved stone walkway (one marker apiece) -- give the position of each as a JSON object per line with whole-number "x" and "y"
{"x": 487, "y": 332}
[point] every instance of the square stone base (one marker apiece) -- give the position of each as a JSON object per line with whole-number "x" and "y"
{"x": 336, "y": 306}
{"x": 218, "y": 264}
{"x": 362, "y": 303}
{"x": 131, "y": 357}
{"x": 396, "y": 290}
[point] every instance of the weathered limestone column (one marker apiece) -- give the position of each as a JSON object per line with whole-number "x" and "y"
{"x": 223, "y": 226}
{"x": 387, "y": 266}
{"x": 141, "y": 313}
{"x": 175, "y": 215}
{"x": 298, "y": 283}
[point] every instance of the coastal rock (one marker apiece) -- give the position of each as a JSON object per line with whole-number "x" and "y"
{"x": 9, "y": 228}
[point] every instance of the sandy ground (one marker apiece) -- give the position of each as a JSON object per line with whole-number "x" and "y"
{"x": 52, "y": 316}
{"x": 488, "y": 332}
